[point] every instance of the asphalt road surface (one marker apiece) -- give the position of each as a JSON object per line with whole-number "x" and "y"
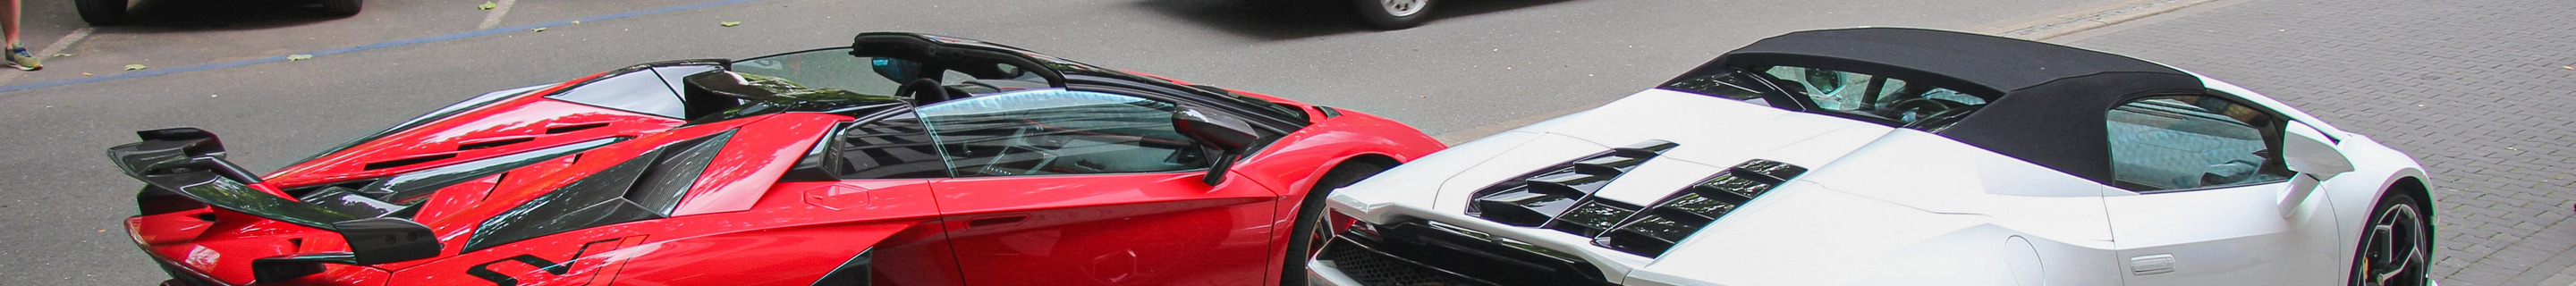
{"x": 219, "y": 65}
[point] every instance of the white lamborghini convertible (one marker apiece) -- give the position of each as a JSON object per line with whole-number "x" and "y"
{"x": 1892, "y": 156}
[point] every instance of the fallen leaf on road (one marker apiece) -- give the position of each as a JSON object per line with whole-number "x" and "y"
{"x": 2568, "y": 67}
{"x": 298, "y": 57}
{"x": 84, "y": 74}
{"x": 135, "y": 67}
{"x": 488, "y": 5}
{"x": 576, "y": 21}
{"x": 62, "y": 55}
{"x": 730, "y": 24}
{"x": 537, "y": 30}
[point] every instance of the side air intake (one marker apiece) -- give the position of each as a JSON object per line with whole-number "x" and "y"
{"x": 647, "y": 186}
{"x": 1656, "y": 229}
{"x": 1541, "y": 196}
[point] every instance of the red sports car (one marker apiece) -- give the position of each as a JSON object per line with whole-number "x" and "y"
{"x": 903, "y": 159}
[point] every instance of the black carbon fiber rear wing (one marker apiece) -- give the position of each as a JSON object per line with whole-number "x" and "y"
{"x": 189, "y": 162}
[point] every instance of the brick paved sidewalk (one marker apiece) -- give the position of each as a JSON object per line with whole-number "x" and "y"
{"x": 2480, "y": 91}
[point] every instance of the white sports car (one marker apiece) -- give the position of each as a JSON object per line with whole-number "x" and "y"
{"x": 1894, "y": 156}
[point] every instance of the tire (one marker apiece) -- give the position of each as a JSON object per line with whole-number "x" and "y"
{"x": 1311, "y": 228}
{"x": 342, "y": 8}
{"x": 101, "y": 12}
{"x": 1393, "y": 14}
{"x": 2399, "y": 235}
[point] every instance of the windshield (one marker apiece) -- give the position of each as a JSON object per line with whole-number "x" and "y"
{"x": 836, "y": 68}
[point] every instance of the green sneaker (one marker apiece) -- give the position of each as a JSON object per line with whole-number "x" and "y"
{"x": 19, "y": 58}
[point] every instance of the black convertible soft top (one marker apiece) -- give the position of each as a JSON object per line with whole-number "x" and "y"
{"x": 2046, "y": 101}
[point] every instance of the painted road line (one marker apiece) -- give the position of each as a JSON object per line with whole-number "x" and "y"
{"x": 476, "y": 33}
{"x": 2097, "y": 18}
{"x": 66, "y": 41}
{"x": 2142, "y": 20}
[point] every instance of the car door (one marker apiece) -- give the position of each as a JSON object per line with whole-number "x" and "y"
{"x": 2198, "y": 197}
{"x": 1059, "y": 187}
{"x": 882, "y": 168}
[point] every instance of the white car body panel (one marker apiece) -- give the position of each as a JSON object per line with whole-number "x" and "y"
{"x": 1941, "y": 204}
{"x": 1814, "y": 236}
{"x": 2229, "y": 235}
{"x": 1546, "y": 149}
{"x": 1888, "y": 206}
{"x": 1434, "y": 170}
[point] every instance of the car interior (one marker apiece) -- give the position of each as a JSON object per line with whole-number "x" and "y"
{"x": 1060, "y": 132}
{"x": 1884, "y": 100}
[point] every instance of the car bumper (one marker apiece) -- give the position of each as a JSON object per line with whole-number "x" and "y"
{"x": 181, "y": 276}
{"x": 1348, "y": 262}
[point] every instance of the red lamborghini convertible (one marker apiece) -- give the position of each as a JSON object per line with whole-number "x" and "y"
{"x": 903, "y": 159}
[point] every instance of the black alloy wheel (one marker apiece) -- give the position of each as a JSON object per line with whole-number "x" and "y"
{"x": 2396, "y": 248}
{"x": 1314, "y": 226}
{"x": 1393, "y": 14}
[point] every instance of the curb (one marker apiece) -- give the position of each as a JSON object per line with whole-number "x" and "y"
{"x": 2078, "y": 22}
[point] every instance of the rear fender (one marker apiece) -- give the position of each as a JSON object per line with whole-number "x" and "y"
{"x": 1293, "y": 163}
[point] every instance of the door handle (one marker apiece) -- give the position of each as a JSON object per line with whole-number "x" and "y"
{"x": 988, "y": 221}
{"x": 2151, "y": 264}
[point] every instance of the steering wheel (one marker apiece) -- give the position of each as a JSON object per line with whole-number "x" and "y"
{"x": 923, "y": 91}
{"x": 1916, "y": 109}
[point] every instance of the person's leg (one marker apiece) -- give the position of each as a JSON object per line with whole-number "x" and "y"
{"x": 18, "y": 56}
{"x": 9, "y": 21}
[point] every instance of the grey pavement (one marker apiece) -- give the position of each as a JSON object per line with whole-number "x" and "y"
{"x": 1484, "y": 61}
{"x": 2480, "y": 91}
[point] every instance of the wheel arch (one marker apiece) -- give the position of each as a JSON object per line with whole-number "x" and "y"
{"x": 1316, "y": 178}
{"x": 2408, "y": 179}
{"x": 1382, "y": 160}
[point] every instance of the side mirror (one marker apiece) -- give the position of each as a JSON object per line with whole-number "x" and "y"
{"x": 1231, "y": 135}
{"x": 2309, "y": 152}
{"x": 894, "y": 69}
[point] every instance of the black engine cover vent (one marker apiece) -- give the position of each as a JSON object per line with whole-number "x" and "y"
{"x": 1537, "y": 197}
{"x": 1654, "y": 230}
